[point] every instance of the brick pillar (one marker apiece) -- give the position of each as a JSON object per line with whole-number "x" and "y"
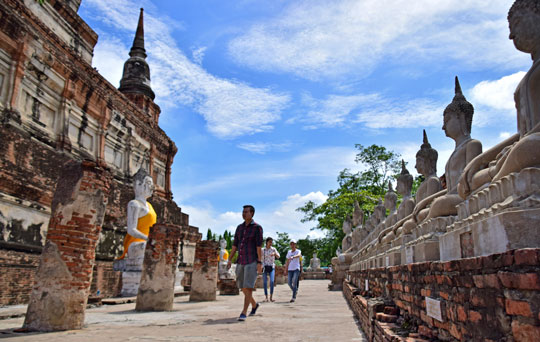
{"x": 64, "y": 275}
{"x": 156, "y": 290}
{"x": 205, "y": 271}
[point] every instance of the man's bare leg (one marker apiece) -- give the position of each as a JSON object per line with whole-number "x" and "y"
{"x": 248, "y": 299}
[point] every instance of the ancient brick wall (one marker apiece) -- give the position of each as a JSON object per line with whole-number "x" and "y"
{"x": 55, "y": 107}
{"x": 106, "y": 282}
{"x": 17, "y": 270}
{"x": 491, "y": 298}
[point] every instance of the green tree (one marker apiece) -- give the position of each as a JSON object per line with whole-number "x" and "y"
{"x": 282, "y": 245}
{"x": 366, "y": 187}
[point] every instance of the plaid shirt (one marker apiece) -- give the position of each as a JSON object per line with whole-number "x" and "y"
{"x": 246, "y": 240}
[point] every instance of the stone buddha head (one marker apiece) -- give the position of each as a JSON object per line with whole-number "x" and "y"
{"x": 523, "y": 19}
{"x": 426, "y": 159}
{"x": 458, "y": 115}
{"x": 404, "y": 181}
{"x": 143, "y": 184}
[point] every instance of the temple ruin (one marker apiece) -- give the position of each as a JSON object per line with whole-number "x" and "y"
{"x": 56, "y": 109}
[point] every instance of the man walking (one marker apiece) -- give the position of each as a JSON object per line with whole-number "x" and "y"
{"x": 248, "y": 240}
{"x": 293, "y": 267}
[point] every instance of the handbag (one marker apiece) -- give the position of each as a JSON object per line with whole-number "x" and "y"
{"x": 268, "y": 268}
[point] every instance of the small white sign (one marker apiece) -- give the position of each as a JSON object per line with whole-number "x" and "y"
{"x": 409, "y": 255}
{"x": 433, "y": 308}
{"x": 387, "y": 261}
{"x": 367, "y": 285}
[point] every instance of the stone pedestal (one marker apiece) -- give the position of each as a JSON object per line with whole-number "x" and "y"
{"x": 228, "y": 287}
{"x": 58, "y": 299}
{"x": 156, "y": 290}
{"x": 205, "y": 272}
{"x": 259, "y": 282}
{"x": 280, "y": 277}
{"x": 340, "y": 266}
{"x": 503, "y": 216}
{"x": 314, "y": 275}
{"x": 425, "y": 245}
{"x": 131, "y": 267}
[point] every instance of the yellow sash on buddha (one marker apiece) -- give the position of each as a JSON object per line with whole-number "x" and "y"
{"x": 143, "y": 225}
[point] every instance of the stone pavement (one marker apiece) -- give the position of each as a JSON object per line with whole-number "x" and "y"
{"x": 317, "y": 315}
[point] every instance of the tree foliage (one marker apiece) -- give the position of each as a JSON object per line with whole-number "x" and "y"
{"x": 366, "y": 187}
{"x": 282, "y": 245}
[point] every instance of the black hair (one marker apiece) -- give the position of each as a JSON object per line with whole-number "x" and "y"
{"x": 251, "y": 208}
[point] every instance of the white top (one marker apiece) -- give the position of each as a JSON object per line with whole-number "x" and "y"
{"x": 294, "y": 264}
{"x": 268, "y": 257}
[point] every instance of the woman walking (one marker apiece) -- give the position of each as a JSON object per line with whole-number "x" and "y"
{"x": 269, "y": 256}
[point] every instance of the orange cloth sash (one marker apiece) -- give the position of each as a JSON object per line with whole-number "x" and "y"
{"x": 143, "y": 225}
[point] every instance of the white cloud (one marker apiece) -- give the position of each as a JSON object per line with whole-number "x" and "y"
{"x": 281, "y": 218}
{"x": 198, "y": 54}
{"x": 393, "y": 113}
{"x": 497, "y": 94}
{"x": 320, "y": 39}
{"x": 204, "y": 216}
{"x": 286, "y": 219}
{"x": 504, "y": 135}
{"x": 230, "y": 108}
{"x": 262, "y": 147}
{"x": 371, "y": 110}
{"x": 334, "y": 110}
{"x": 111, "y": 54}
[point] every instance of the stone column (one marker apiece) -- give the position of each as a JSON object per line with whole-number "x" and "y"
{"x": 63, "y": 278}
{"x": 156, "y": 290}
{"x": 205, "y": 272}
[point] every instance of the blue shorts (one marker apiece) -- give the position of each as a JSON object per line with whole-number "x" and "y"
{"x": 246, "y": 275}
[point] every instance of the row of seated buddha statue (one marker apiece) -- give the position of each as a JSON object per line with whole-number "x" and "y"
{"x": 491, "y": 201}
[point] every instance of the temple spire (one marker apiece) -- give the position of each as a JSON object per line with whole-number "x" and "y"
{"x": 136, "y": 76}
{"x": 138, "y": 42}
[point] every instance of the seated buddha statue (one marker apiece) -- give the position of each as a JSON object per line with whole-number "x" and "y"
{"x": 390, "y": 202}
{"x": 458, "y": 117}
{"x": 140, "y": 215}
{"x": 347, "y": 230}
{"x": 404, "y": 188}
{"x": 426, "y": 165}
{"x": 520, "y": 150}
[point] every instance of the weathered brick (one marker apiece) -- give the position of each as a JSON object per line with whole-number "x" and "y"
{"x": 525, "y": 332}
{"x": 461, "y": 313}
{"x": 498, "y": 260}
{"x": 475, "y": 316}
{"x": 516, "y": 307}
{"x": 470, "y": 264}
{"x": 526, "y": 256}
{"x": 486, "y": 281}
{"x": 455, "y": 331}
{"x": 523, "y": 281}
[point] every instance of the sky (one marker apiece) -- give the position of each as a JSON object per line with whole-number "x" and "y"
{"x": 266, "y": 100}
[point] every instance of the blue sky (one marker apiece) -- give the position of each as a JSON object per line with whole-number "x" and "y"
{"x": 266, "y": 99}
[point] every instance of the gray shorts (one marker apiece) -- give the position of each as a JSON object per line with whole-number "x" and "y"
{"x": 246, "y": 275}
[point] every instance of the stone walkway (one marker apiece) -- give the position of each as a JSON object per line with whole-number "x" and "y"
{"x": 317, "y": 315}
